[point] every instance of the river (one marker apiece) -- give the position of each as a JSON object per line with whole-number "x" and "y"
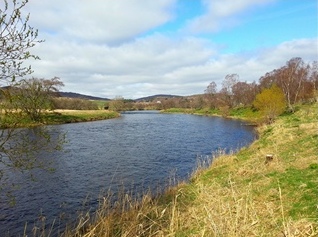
{"x": 138, "y": 151}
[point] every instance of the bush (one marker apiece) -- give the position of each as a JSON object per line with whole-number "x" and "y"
{"x": 271, "y": 103}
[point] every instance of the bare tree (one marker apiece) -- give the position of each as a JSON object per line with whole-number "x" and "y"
{"x": 211, "y": 88}
{"x": 268, "y": 79}
{"x": 244, "y": 93}
{"x": 117, "y": 104}
{"x": 34, "y": 96}
{"x": 226, "y": 92}
{"x": 210, "y": 95}
{"x": 293, "y": 79}
{"x": 73, "y": 104}
{"x": 16, "y": 40}
{"x": 313, "y": 77}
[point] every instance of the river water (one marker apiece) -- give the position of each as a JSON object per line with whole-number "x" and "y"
{"x": 138, "y": 151}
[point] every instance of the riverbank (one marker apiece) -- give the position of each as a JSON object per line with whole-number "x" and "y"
{"x": 249, "y": 115}
{"x": 75, "y": 116}
{"x": 16, "y": 120}
{"x": 266, "y": 189}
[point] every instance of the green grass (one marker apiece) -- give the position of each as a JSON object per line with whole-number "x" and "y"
{"x": 178, "y": 110}
{"x": 78, "y": 116}
{"x": 299, "y": 186}
{"x": 14, "y": 120}
{"x": 243, "y": 113}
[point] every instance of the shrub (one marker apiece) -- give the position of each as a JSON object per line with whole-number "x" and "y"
{"x": 270, "y": 102}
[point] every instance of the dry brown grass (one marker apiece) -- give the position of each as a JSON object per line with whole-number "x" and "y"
{"x": 129, "y": 217}
{"x": 69, "y": 111}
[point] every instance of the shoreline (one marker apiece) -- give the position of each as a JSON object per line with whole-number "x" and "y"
{"x": 57, "y": 117}
{"x": 253, "y": 119}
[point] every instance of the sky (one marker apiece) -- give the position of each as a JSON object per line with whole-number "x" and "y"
{"x": 138, "y": 48}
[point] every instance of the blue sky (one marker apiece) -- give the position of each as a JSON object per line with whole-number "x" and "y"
{"x": 136, "y": 48}
{"x": 271, "y": 25}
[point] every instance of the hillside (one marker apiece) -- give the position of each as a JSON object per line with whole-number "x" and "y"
{"x": 79, "y": 96}
{"x": 156, "y": 97}
{"x": 87, "y": 97}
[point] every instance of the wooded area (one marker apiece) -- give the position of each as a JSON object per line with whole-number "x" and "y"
{"x": 275, "y": 92}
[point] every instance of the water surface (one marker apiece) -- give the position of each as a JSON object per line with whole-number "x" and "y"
{"x": 138, "y": 151}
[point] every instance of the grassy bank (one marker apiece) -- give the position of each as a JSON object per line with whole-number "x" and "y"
{"x": 242, "y": 113}
{"x": 74, "y": 116}
{"x": 242, "y": 194}
{"x": 15, "y": 120}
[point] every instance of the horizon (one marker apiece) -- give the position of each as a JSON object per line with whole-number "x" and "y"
{"x": 141, "y": 48}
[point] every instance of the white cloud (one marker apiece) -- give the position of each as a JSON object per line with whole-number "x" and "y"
{"x": 110, "y": 21}
{"x": 304, "y": 48}
{"x": 144, "y": 60}
{"x": 157, "y": 64}
{"x": 97, "y": 52}
{"x": 154, "y": 54}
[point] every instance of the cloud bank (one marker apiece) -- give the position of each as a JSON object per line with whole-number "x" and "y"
{"x": 120, "y": 48}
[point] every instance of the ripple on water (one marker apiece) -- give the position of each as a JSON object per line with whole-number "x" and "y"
{"x": 137, "y": 151}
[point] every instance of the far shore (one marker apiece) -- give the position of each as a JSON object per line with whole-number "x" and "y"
{"x": 59, "y": 117}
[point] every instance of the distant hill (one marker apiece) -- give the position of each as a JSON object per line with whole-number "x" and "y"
{"x": 68, "y": 95}
{"x": 156, "y": 97}
{"x": 88, "y": 97}
{"x": 79, "y": 96}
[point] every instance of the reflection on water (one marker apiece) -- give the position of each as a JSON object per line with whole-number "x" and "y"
{"x": 25, "y": 150}
{"x": 138, "y": 151}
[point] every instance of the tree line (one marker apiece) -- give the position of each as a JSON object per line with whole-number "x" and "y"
{"x": 293, "y": 83}
{"x": 275, "y": 92}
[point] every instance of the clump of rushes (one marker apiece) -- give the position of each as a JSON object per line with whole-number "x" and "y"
{"x": 145, "y": 216}
{"x": 238, "y": 195}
